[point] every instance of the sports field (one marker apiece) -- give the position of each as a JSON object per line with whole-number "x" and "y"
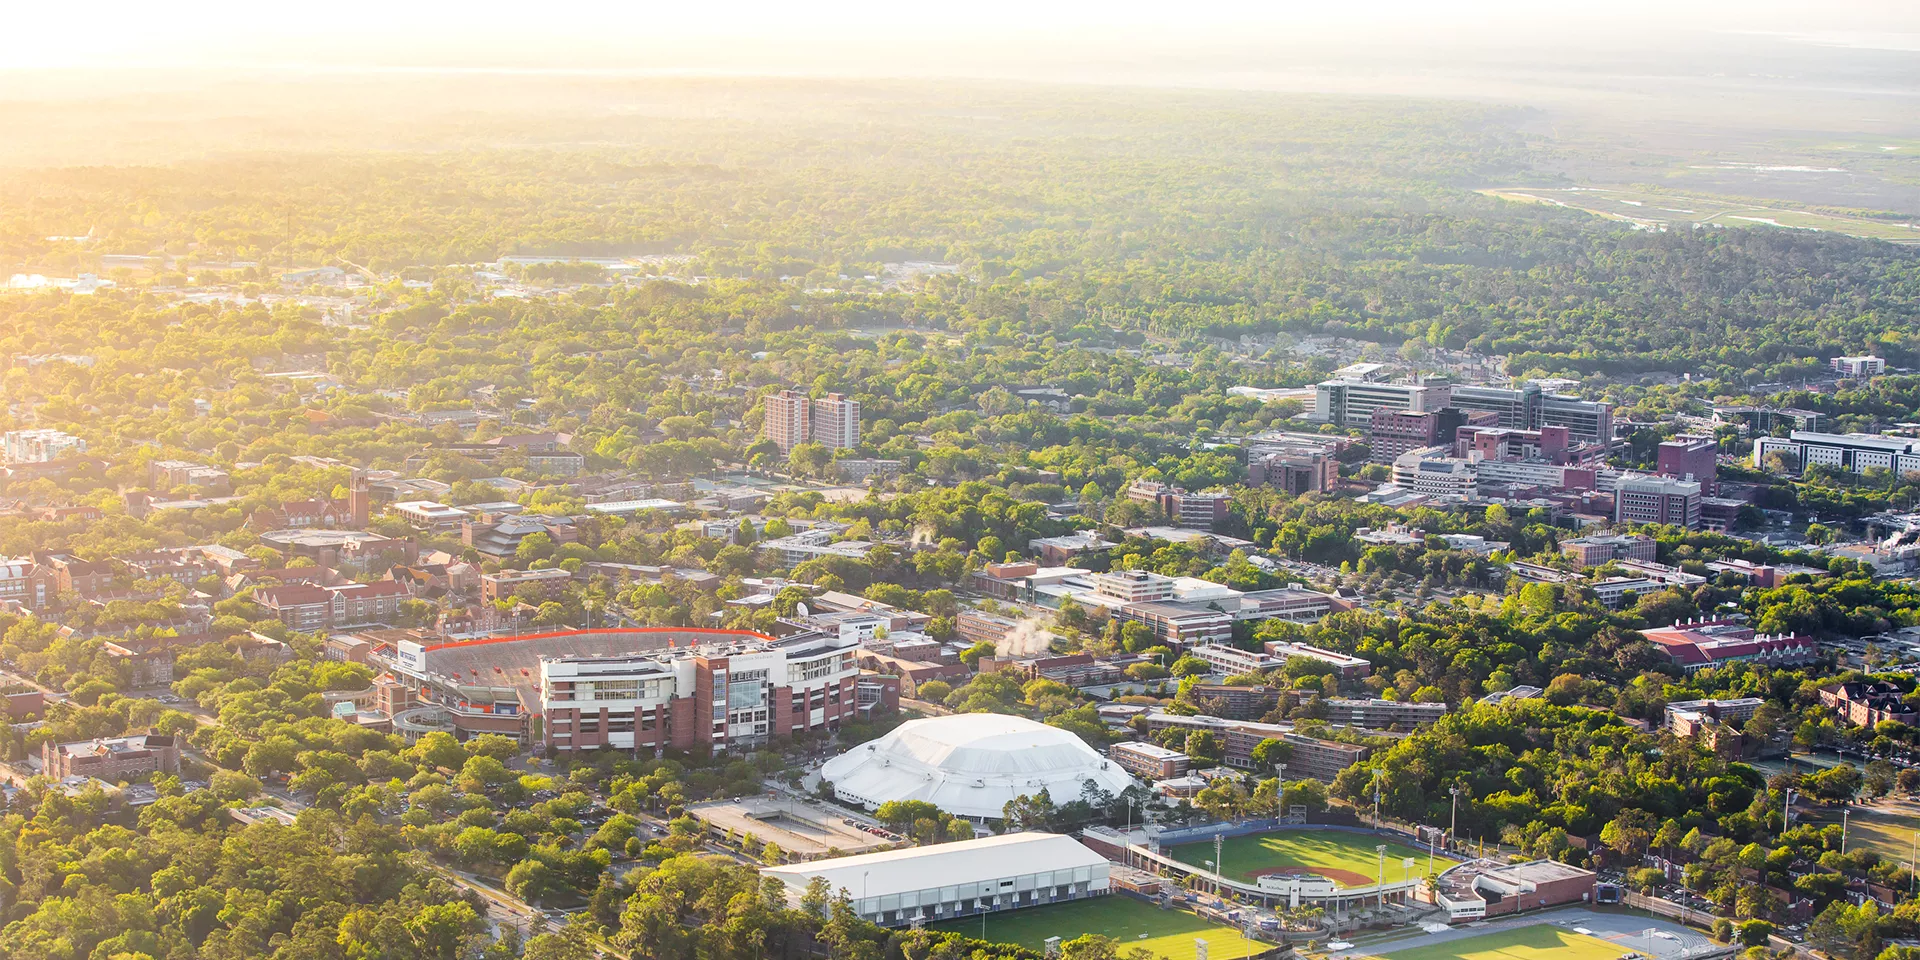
{"x": 1134, "y": 923}
{"x": 1886, "y": 827}
{"x": 1540, "y": 941}
{"x": 1347, "y": 859}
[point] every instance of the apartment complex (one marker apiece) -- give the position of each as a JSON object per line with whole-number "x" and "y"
{"x": 1234, "y": 701}
{"x": 310, "y": 607}
{"x": 789, "y": 419}
{"x": 836, "y": 422}
{"x": 793, "y": 418}
{"x": 1867, "y": 703}
{"x": 1149, "y": 761}
{"x": 29, "y": 585}
{"x": 1307, "y": 756}
{"x": 529, "y": 583}
{"x": 39, "y": 446}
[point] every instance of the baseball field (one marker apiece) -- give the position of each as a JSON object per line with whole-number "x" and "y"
{"x": 1540, "y": 941}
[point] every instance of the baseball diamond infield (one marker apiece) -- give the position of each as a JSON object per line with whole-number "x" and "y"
{"x": 1345, "y": 857}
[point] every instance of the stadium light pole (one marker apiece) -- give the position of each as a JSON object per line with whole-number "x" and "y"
{"x": 1380, "y": 873}
{"x": 1280, "y": 791}
{"x": 1454, "y": 823}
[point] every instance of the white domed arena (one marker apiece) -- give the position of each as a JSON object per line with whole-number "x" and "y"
{"x": 970, "y": 765}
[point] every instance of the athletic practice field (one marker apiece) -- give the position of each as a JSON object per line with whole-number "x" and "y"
{"x": 1347, "y": 859}
{"x": 1166, "y": 933}
{"x": 1540, "y": 941}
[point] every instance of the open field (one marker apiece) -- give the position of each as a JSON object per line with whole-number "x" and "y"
{"x": 1540, "y": 941}
{"x": 1886, "y": 827}
{"x": 1166, "y": 933}
{"x": 1347, "y": 859}
{"x": 1655, "y": 209}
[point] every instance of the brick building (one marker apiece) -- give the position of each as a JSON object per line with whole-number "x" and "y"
{"x": 1148, "y": 760}
{"x": 736, "y": 695}
{"x": 111, "y": 759}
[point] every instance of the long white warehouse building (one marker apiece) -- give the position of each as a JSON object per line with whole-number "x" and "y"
{"x": 949, "y": 880}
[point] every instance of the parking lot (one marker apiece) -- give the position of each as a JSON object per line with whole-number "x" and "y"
{"x": 799, "y": 827}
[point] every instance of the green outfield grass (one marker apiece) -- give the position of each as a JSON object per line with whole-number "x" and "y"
{"x": 1134, "y": 923}
{"x": 1346, "y": 858}
{"x": 1541, "y": 941}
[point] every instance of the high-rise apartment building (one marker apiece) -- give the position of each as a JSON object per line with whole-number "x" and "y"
{"x": 836, "y": 422}
{"x": 793, "y": 419}
{"x": 789, "y": 419}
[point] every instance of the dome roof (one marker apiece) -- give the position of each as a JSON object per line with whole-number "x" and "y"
{"x": 971, "y": 765}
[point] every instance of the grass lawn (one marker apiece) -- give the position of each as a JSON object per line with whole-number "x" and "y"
{"x": 1134, "y": 923}
{"x": 1886, "y": 827}
{"x": 1541, "y": 941}
{"x": 1346, "y": 858}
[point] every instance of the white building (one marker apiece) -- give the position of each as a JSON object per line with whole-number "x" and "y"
{"x": 429, "y": 513}
{"x": 1351, "y": 403}
{"x": 950, "y": 880}
{"x": 1233, "y": 660}
{"x": 40, "y": 446}
{"x": 808, "y": 544}
{"x": 1856, "y": 452}
{"x": 1858, "y": 367}
{"x": 970, "y": 765}
{"x": 1434, "y": 472}
{"x": 1132, "y": 586}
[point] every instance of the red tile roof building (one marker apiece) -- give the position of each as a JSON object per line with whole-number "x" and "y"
{"x": 1697, "y": 645}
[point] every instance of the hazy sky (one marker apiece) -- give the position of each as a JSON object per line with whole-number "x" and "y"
{"x": 859, "y": 37}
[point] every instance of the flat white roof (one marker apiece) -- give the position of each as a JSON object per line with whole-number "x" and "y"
{"x": 632, "y": 506}
{"x": 891, "y": 872}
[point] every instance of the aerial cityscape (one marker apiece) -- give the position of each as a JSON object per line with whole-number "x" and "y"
{"x": 1126, "y": 486}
